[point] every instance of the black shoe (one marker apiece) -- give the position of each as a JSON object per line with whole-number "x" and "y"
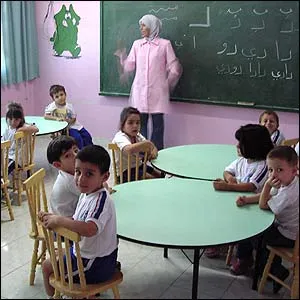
{"x": 282, "y": 274}
{"x": 118, "y": 266}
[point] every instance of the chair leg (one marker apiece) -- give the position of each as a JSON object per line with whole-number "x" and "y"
{"x": 34, "y": 261}
{"x": 44, "y": 248}
{"x": 56, "y": 294}
{"x": 19, "y": 189}
{"x": 266, "y": 272}
{"x": 295, "y": 283}
{"x": 229, "y": 254}
{"x": 116, "y": 292}
{"x": 10, "y": 211}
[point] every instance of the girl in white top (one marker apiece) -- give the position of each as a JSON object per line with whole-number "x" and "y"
{"x": 270, "y": 119}
{"x": 16, "y": 122}
{"x": 249, "y": 172}
{"x": 130, "y": 141}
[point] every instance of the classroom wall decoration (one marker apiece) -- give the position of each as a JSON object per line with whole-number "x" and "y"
{"x": 66, "y": 33}
{"x": 236, "y": 53}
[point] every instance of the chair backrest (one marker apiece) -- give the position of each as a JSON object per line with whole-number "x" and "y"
{"x": 36, "y": 195}
{"x": 296, "y": 249}
{"x": 124, "y": 162}
{"x": 5, "y": 145}
{"x": 59, "y": 238}
{"x": 25, "y": 142}
{"x": 290, "y": 142}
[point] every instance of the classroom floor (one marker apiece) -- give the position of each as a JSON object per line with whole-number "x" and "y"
{"x": 147, "y": 275}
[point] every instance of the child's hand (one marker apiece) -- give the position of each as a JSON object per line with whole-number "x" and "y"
{"x": 220, "y": 185}
{"x": 231, "y": 180}
{"x": 241, "y": 201}
{"x": 274, "y": 182}
{"x": 49, "y": 220}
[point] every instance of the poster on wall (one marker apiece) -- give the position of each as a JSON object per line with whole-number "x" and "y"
{"x": 65, "y": 36}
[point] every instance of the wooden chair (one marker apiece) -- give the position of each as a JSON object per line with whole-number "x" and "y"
{"x": 64, "y": 285}
{"x": 25, "y": 142}
{"x": 141, "y": 157}
{"x": 36, "y": 195}
{"x": 289, "y": 254}
{"x": 290, "y": 142}
{"x": 4, "y": 176}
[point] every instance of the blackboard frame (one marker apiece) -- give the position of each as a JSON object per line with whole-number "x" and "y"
{"x": 208, "y": 100}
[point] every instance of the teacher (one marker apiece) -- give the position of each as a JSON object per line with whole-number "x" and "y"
{"x": 157, "y": 73}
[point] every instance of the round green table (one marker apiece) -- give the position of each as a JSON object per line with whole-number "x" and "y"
{"x": 44, "y": 126}
{"x": 198, "y": 161}
{"x": 184, "y": 214}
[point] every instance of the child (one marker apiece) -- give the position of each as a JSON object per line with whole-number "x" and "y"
{"x": 270, "y": 119}
{"x": 248, "y": 173}
{"x": 60, "y": 110}
{"x": 94, "y": 219}
{"x": 129, "y": 140}
{"x": 157, "y": 73}
{"x": 16, "y": 122}
{"x": 281, "y": 195}
{"x": 61, "y": 153}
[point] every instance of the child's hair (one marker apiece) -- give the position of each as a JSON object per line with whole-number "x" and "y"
{"x": 126, "y": 112}
{"x": 13, "y": 104}
{"x": 16, "y": 112}
{"x": 254, "y": 141}
{"x": 54, "y": 89}
{"x": 286, "y": 153}
{"x": 96, "y": 155}
{"x": 59, "y": 146}
{"x": 269, "y": 112}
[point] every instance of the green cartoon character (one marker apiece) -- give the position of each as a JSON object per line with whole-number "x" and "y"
{"x": 65, "y": 35}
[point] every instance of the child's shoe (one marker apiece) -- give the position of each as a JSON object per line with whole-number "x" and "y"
{"x": 241, "y": 266}
{"x": 212, "y": 252}
{"x": 282, "y": 273}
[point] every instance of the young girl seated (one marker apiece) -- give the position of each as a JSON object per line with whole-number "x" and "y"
{"x": 270, "y": 120}
{"x": 16, "y": 122}
{"x": 130, "y": 141}
{"x": 247, "y": 173}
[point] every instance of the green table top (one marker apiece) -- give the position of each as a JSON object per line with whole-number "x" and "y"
{"x": 44, "y": 126}
{"x": 199, "y": 161}
{"x": 184, "y": 213}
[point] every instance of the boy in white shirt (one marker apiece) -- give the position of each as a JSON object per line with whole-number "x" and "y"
{"x": 94, "y": 219}
{"x": 61, "y": 153}
{"x": 60, "y": 110}
{"x": 281, "y": 195}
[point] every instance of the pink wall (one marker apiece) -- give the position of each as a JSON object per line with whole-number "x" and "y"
{"x": 185, "y": 124}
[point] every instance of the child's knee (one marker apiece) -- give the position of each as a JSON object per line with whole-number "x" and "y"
{"x": 47, "y": 266}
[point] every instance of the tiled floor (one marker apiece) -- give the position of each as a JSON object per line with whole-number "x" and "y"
{"x": 147, "y": 275}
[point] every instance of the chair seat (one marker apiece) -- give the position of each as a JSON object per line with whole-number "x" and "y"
{"x": 39, "y": 236}
{"x": 283, "y": 252}
{"x": 91, "y": 289}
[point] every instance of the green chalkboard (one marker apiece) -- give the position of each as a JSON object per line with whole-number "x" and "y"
{"x": 232, "y": 52}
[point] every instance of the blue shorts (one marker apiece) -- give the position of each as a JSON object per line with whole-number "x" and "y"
{"x": 96, "y": 270}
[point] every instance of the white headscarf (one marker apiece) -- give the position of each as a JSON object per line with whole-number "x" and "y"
{"x": 153, "y": 23}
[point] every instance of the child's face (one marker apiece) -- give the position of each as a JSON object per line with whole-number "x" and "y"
{"x": 132, "y": 125}
{"x": 269, "y": 121}
{"x": 14, "y": 123}
{"x": 145, "y": 31}
{"x": 88, "y": 177}
{"x": 67, "y": 160}
{"x": 282, "y": 170}
{"x": 60, "y": 98}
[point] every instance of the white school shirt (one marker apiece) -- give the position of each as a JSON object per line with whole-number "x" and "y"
{"x": 99, "y": 208}
{"x": 8, "y": 135}
{"x": 297, "y": 148}
{"x": 254, "y": 172}
{"x": 122, "y": 140}
{"x": 64, "y": 196}
{"x": 277, "y": 137}
{"x": 285, "y": 205}
{"x": 62, "y": 111}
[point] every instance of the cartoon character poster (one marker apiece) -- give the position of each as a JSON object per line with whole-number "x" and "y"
{"x": 65, "y": 37}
